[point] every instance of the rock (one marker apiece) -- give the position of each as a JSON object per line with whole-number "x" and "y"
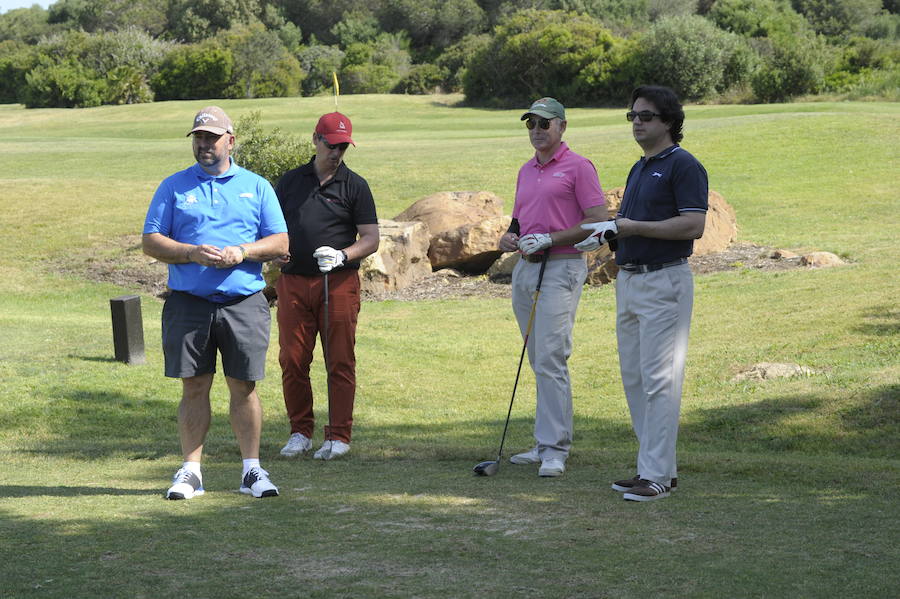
{"x": 784, "y": 255}
{"x": 501, "y": 269}
{"x": 769, "y": 370}
{"x": 464, "y": 226}
{"x": 401, "y": 259}
{"x": 820, "y": 260}
{"x": 471, "y": 248}
{"x": 601, "y": 266}
{"x": 449, "y": 210}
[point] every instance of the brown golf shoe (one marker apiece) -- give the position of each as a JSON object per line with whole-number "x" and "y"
{"x": 625, "y": 485}
{"x": 647, "y": 490}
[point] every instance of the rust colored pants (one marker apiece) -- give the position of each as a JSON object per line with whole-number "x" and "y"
{"x": 301, "y": 317}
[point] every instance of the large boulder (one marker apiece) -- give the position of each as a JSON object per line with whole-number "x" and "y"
{"x": 401, "y": 259}
{"x": 464, "y": 226}
{"x": 470, "y": 248}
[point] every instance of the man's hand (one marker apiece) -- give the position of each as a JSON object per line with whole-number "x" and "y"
{"x": 509, "y": 242}
{"x": 601, "y": 233}
{"x": 535, "y": 242}
{"x": 328, "y": 258}
{"x": 205, "y": 255}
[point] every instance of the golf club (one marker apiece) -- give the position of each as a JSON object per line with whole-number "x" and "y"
{"x": 490, "y": 467}
{"x": 325, "y": 357}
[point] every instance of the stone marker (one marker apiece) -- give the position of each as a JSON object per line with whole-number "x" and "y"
{"x": 128, "y": 329}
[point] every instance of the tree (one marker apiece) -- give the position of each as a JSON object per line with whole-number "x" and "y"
{"x": 432, "y": 25}
{"x": 16, "y": 60}
{"x": 110, "y": 15}
{"x": 194, "y": 71}
{"x": 262, "y": 66}
{"x": 693, "y": 57}
{"x": 62, "y": 84}
{"x": 25, "y": 24}
{"x": 195, "y": 20}
{"x": 792, "y": 66}
{"x": 835, "y": 18}
{"x": 319, "y": 62}
{"x": 455, "y": 60}
{"x": 757, "y": 18}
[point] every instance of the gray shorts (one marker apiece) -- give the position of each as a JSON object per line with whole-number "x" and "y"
{"x": 194, "y": 329}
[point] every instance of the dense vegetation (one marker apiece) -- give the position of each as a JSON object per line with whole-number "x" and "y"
{"x": 82, "y": 53}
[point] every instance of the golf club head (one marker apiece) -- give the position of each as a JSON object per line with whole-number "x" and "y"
{"x": 488, "y": 468}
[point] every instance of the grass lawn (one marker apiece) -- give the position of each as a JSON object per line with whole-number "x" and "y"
{"x": 787, "y": 488}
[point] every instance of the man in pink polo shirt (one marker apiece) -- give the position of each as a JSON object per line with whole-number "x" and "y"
{"x": 556, "y": 192}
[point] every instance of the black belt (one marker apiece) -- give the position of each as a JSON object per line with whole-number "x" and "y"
{"x": 642, "y": 268}
{"x": 538, "y": 258}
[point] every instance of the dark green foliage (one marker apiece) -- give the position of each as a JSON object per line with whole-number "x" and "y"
{"x": 432, "y": 25}
{"x": 421, "y": 79}
{"x": 368, "y": 78}
{"x": 194, "y": 20}
{"x": 127, "y": 85}
{"x": 455, "y": 60}
{"x": 838, "y": 17}
{"x": 262, "y": 66}
{"x": 25, "y": 24}
{"x": 792, "y": 66}
{"x": 110, "y": 15}
{"x": 693, "y": 57}
{"x": 319, "y": 62}
{"x": 757, "y": 18}
{"x": 194, "y": 71}
{"x": 547, "y": 53}
{"x": 63, "y": 84}
{"x": 16, "y": 59}
{"x": 269, "y": 155}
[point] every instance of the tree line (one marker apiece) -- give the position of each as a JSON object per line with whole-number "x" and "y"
{"x": 498, "y": 53}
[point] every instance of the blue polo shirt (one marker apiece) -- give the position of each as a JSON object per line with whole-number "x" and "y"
{"x": 659, "y": 188}
{"x": 195, "y": 207}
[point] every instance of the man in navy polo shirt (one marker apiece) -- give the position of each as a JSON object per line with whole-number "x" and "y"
{"x": 332, "y": 225}
{"x": 214, "y": 224}
{"x": 662, "y": 212}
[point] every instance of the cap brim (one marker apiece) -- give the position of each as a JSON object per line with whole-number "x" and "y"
{"x": 214, "y": 130}
{"x": 541, "y": 113}
{"x": 338, "y": 138}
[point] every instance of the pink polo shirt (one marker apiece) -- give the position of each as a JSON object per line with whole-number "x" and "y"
{"x": 553, "y": 196}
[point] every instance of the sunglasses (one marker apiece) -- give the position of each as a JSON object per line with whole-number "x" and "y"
{"x": 645, "y": 115}
{"x": 542, "y": 123}
{"x": 341, "y": 146}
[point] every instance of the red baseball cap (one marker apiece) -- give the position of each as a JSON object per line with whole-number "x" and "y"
{"x": 335, "y": 127}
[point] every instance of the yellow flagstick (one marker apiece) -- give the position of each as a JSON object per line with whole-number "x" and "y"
{"x": 337, "y": 88}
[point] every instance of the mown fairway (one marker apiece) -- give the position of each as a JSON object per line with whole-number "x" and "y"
{"x": 787, "y": 488}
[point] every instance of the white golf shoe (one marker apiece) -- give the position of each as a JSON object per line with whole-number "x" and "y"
{"x": 296, "y": 445}
{"x": 331, "y": 449}
{"x": 552, "y": 467}
{"x": 532, "y": 456}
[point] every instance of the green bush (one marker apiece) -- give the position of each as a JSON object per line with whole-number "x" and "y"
{"x": 421, "y": 79}
{"x": 262, "y": 65}
{"x": 455, "y": 60}
{"x": 792, "y": 66}
{"x": 193, "y": 72}
{"x": 757, "y": 18}
{"x": 694, "y": 57}
{"x": 368, "y": 78}
{"x": 269, "y": 155}
{"x": 16, "y": 60}
{"x": 65, "y": 84}
{"x": 539, "y": 53}
{"x": 127, "y": 85}
{"x": 319, "y": 62}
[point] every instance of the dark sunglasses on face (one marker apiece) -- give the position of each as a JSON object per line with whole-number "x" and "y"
{"x": 340, "y": 146}
{"x": 542, "y": 123}
{"x": 645, "y": 115}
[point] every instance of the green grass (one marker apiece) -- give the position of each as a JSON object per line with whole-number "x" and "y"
{"x": 787, "y": 487}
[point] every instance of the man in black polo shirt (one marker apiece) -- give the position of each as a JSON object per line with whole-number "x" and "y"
{"x": 662, "y": 212}
{"x": 332, "y": 225}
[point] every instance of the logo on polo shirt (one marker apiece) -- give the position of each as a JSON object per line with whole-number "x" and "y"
{"x": 190, "y": 199}
{"x": 247, "y": 194}
{"x": 656, "y": 174}
{"x": 559, "y": 174}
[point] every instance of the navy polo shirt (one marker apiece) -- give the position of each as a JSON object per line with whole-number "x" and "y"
{"x": 320, "y": 215}
{"x": 659, "y": 188}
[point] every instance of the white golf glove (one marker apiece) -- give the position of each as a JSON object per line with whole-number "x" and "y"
{"x": 328, "y": 258}
{"x": 601, "y": 233}
{"x": 534, "y": 242}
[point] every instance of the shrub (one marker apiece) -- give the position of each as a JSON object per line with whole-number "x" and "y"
{"x": 455, "y": 60}
{"x": 127, "y": 85}
{"x": 694, "y": 57}
{"x": 269, "y": 155}
{"x": 193, "y": 72}
{"x": 262, "y": 65}
{"x": 65, "y": 84}
{"x": 16, "y": 60}
{"x": 792, "y": 66}
{"x": 319, "y": 62}
{"x": 421, "y": 79}
{"x": 368, "y": 78}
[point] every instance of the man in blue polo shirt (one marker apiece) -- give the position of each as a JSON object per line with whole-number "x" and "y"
{"x": 662, "y": 212}
{"x": 214, "y": 224}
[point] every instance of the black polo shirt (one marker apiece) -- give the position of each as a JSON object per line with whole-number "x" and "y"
{"x": 659, "y": 188}
{"x": 320, "y": 215}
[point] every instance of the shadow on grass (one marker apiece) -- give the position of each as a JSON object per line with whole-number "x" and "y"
{"x": 881, "y": 321}
{"x": 63, "y": 491}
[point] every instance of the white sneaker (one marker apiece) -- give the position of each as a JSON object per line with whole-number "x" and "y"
{"x": 331, "y": 449}
{"x": 185, "y": 485}
{"x": 552, "y": 467}
{"x": 256, "y": 482}
{"x": 296, "y": 445}
{"x": 532, "y": 456}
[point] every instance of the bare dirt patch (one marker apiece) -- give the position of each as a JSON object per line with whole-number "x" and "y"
{"x": 122, "y": 263}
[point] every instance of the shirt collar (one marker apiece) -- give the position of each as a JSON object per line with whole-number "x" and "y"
{"x": 202, "y": 174}
{"x": 664, "y": 154}
{"x": 310, "y": 169}
{"x": 560, "y": 151}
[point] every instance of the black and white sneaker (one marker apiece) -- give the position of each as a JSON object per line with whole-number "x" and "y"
{"x": 625, "y": 485}
{"x": 185, "y": 485}
{"x": 256, "y": 482}
{"x": 647, "y": 490}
